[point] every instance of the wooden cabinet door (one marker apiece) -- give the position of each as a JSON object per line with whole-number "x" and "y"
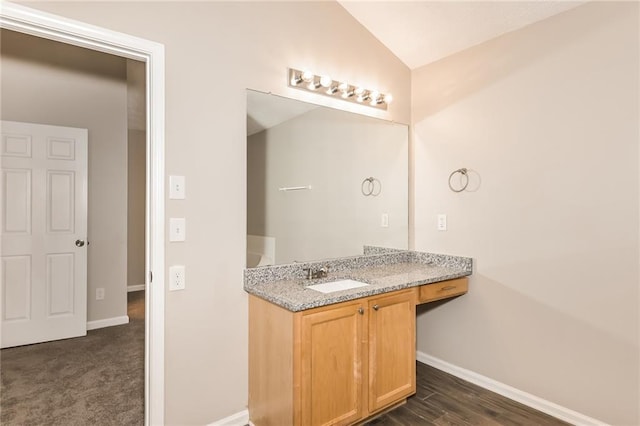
{"x": 392, "y": 348}
{"x": 331, "y": 367}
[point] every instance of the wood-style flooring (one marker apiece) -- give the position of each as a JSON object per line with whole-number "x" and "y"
{"x": 443, "y": 399}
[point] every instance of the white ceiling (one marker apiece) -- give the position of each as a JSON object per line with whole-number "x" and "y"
{"x": 421, "y": 32}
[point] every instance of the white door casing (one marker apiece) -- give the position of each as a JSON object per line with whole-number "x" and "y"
{"x": 43, "y": 233}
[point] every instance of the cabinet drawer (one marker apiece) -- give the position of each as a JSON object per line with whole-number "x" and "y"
{"x": 437, "y": 291}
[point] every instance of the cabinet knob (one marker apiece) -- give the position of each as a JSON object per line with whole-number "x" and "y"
{"x": 361, "y": 310}
{"x": 375, "y": 307}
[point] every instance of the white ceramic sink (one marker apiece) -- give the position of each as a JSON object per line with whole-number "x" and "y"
{"x": 337, "y": 286}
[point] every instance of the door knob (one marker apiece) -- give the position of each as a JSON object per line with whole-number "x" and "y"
{"x": 79, "y": 243}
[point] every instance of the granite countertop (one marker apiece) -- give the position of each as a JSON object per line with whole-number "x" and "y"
{"x": 284, "y": 286}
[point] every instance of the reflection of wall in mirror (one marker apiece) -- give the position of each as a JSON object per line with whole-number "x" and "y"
{"x": 261, "y": 251}
{"x": 332, "y": 151}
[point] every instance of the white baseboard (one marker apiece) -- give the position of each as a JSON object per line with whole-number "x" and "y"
{"x": 237, "y": 419}
{"x": 137, "y": 287}
{"x": 108, "y": 322}
{"x": 507, "y": 391}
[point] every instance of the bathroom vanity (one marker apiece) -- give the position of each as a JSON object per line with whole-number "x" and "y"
{"x": 332, "y": 342}
{"x": 342, "y": 356}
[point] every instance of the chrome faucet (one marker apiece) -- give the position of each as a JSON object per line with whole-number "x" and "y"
{"x": 319, "y": 273}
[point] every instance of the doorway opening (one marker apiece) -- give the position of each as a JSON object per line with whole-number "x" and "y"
{"x": 47, "y": 26}
{"x": 78, "y": 189}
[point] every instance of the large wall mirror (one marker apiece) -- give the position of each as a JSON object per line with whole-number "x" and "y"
{"x": 321, "y": 182}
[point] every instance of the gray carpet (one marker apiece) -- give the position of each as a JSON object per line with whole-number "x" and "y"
{"x": 92, "y": 380}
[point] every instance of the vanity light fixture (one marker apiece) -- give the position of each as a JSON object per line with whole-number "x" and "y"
{"x": 306, "y": 80}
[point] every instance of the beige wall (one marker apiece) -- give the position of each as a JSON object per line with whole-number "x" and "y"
{"x": 214, "y": 52}
{"x": 136, "y": 171}
{"x": 548, "y": 118}
{"x": 51, "y": 83}
{"x": 136, "y": 190}
{"x": 333, "y": 152}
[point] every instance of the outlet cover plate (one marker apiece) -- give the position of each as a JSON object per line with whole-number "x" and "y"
{"x": 176, "y": 278}
{"x": 442, "y": 222}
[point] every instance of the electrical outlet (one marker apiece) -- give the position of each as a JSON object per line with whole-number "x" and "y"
{"x": 99, "y": 293}
{"x": 442, "y": 222}
{"x": 384, "y": 220}
{"x": 176, "y": 278}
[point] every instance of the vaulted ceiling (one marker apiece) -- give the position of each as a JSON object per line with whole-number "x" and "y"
{"x": 421, "y": 32}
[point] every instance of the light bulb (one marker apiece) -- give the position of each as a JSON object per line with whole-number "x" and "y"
{"x": 388, "y": 98}
{"x": 295, "y": 80}
{"x": 313, "y": 84}
{"x": 359, "y": 91}
{"x": 332, "y": 89}
{"x": 325, "y": 81}
{"x": 375, "y": 98}
{"x": 343, "y": 87}
{"x": 347, "y": 93}
{"x": 307, "y": 76}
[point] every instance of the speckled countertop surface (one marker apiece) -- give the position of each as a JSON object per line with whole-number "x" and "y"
{"x": 285, "y": 286}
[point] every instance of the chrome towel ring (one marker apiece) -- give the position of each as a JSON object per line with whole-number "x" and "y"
{"x": 369, "y": 186}
{"x": 464, "y": 180}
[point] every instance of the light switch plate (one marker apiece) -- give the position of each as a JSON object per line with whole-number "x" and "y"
{"x": 177, "y": 229}
{"x": 177, "y": 189}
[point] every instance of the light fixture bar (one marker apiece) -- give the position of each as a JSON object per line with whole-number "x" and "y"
{"x": 324, "y": 85}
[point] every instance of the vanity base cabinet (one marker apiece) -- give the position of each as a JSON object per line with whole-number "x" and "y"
{"x": 334, "y": 365}
{"x": 331, "y": 366}
{"x": 272, "y": 382}
{"x": 392, "y": 348}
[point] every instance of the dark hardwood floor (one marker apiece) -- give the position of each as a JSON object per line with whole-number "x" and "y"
{"x": 443, "y": 399}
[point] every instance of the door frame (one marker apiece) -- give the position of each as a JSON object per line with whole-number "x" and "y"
{"x": 45, "y": 25}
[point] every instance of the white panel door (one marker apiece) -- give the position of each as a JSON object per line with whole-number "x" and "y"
{"x": 43, "y": 232}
